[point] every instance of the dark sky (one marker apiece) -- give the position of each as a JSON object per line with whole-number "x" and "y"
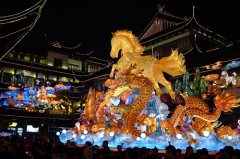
{"x": 91, "y": 22}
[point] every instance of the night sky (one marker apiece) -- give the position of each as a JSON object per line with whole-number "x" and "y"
{"x": 90, "y": 22}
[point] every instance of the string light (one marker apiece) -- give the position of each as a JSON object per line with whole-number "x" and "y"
{"x": 18, "y": 17}
{"x": 84, "y": 54}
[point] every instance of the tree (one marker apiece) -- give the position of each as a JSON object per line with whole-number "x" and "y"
{"x": 14, "y": 80}
{"x": 21, "y": 79}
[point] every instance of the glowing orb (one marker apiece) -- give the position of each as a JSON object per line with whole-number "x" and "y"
{"x": 111, "y": 133}
{"x": 58, "y": 133}
{"x": 179, "y": 136}
{"x": 83, "y": 137}
{"x": 206, "y": 133}
{"x": 74, "y": 136}
{"x": 64, "y": 131}
{"x": 229, "y": 137}
{"x": 138, "y": 138}
{"x": 143, "y": 135}
{"x": 85, "y": 132}
{"x": 100, "y": 135}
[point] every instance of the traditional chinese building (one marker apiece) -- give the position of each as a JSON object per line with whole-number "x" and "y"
{"x": 58, "y": 67}
{"x": 200, "y": 45}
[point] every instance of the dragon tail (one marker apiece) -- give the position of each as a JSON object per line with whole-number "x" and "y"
{"x": 90, "y": 110}
{"x": 226, "y": 101}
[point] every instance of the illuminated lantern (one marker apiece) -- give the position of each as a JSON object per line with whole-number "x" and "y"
{"x": 179, "y": 100}
{"x": 166, "y": 98}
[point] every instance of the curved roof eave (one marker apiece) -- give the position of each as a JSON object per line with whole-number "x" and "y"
{"x": 65, "y": 47}
{"x": 87, "y": 54}
{"x": 195, "y": 20}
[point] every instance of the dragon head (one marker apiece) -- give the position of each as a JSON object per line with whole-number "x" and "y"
{"x": 224, "y": 131}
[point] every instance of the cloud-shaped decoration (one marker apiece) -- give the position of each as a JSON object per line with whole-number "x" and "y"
{"x": 232, "y": 64}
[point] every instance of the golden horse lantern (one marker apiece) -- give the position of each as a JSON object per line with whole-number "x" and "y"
{"x": 152, "y": 68}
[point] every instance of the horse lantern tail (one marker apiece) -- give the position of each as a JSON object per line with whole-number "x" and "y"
{"x": 173, "y": 65}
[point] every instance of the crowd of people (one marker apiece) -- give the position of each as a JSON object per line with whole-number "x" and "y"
{"x": 45, "y": 148}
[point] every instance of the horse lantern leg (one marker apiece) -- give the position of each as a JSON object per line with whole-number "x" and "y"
{"x": 159, "y": 77}
{"x": 114, "y": 66}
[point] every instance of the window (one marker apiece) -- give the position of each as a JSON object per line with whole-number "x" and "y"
{"x": 6, "y": 77}
{"x": 10, "y": 55}
{"x": 58, "y": 63}
{"x": 20, "y": 131}
{"x": 73, "y": 67}
{"x": 42, "y": 61}
{"x": 92, "y": 68}
{"x": 12, "y": 128}
{"x": 26, "y": 58}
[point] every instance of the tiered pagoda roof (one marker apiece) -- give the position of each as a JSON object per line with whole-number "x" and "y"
{"x": 165, "y": 25}
{"x": 205, "y": 45}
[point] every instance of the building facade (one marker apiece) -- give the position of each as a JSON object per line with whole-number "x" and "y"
{"x": 25, "y": 74}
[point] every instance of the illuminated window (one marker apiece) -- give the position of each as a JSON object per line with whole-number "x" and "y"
{"x": 92, "y": 68}
{"x": 26, "y": 58}
{"x": 42, "y": 61}
{"x": 73, "y": 67}
{"x": 12, "y": 128}
{"x": 20, "y": 131}
{"x": 10, "y": 55}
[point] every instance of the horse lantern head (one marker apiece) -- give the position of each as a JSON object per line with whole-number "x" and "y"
{"x": 115, "y": 47}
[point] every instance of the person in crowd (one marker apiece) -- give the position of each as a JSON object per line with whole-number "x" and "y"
{"x": 153, "y": 154}
{"x": 179, "y": 154}
{"x": 189, "y": 153}
{"x": 222, "y": 155}
{"x": 170, "y": 152}
{"x": 119, "y": 151}
{"x": 132, "y": 154}
{"x": 106, "y": 149}
{"x": 87, "y": 152}
{"x": 204, "y": 154}
{"x": 59, "y": 152}
{"x": 77, "y": 154}
{"x": 43, "y": 152}
{"x": 143, "y": 152}
{"x": 95, "y": 149}
{"x": 229, "y": 150}
{"x": 28, "y": 148}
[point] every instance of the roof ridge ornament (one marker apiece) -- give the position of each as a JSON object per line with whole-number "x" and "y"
{"x": 160, "y": 8}
{"x": 193, "y": 14}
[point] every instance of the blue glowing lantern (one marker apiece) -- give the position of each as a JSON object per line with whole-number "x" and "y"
{"x": 50, "y": 91}
{"x": 5, "y": 103}
{"x": 26, "y": 96}
{"x": 68, "y": 87}
{"x": 32, "y": 91}
{"x": 26, "y": 88}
